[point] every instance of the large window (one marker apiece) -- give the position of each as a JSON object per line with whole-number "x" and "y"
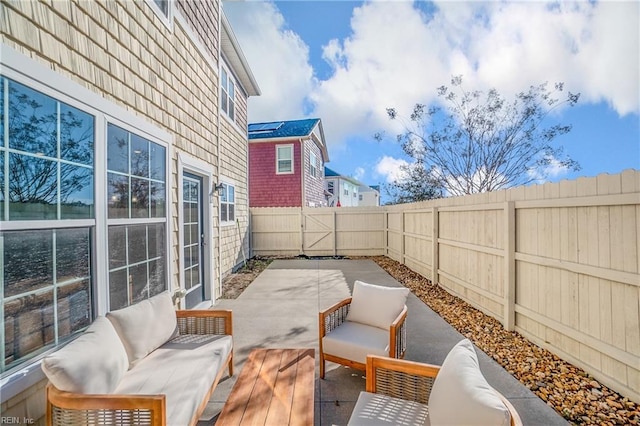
{"x": 52, "y": 264}
{"x": 227, "y": 94}
{"x": 47, "y": 202}
{"x": 136, "y": 180}
{"x": 228, "y": 203}
{"x": 284, "y": 159}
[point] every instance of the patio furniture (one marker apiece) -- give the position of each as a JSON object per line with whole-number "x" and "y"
{"x": 275, "y": 387}
{"x": 372, "y": 321}
{"x": 146, "y": 364}
{"x": 411, "y": 393}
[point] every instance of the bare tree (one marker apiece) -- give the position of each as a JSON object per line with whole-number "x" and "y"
{"x": 417, "y": 183}
{"x": 480, "y": 143}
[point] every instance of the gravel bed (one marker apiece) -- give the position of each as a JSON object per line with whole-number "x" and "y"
{"x": 573, "y": 393}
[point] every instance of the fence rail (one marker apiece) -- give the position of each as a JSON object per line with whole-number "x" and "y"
{"x": 558, "y": 263}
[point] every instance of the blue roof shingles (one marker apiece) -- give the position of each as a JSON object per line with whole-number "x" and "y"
{"x": 287, "y": 129}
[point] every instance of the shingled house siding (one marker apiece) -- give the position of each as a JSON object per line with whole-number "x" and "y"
{"x": 314, "y": 186}
{"x": 126, "y": 54}
{"x": 203, "y": 17}
{"x": 268, "y": 189}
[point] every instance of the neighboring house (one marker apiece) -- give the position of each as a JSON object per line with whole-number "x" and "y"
{"x": 124, "y": 160}
{"x": 342, "y": 191}
{"x": 369, "y": 195}
{"x": 286, "y": 163}
{"x": 345, "y": 191}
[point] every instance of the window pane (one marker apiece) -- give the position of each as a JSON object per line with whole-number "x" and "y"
{"x": 28, "y": 323}
{"x": 231, "y": 109}
{"x": 76, "y": 135}
{"x": 157, "y": 280}
{"x": 32, "y": 121}
{"x": 158, "y": 196}
{"x": 223, "y": 212}
{"x": 194, "y": 234}
{"x": 156, "y": 241}
{"x": 139, "y": 198}
{"x": 117, "y": 149}
{"x": 139, "y": 156}
{"x": 139, "y": 283}
{"x": 223, "y": 193}
{"x": 74, "y": 307}
{"x": 28, "y": 261}
{"x": 187, "y": 257}
{"x": 157, "y": 162}
{"x": 224, "y": 79}
{"x": 232, "y": 213}
{"x": 33, "y": 188}
{"x": 224, "y": 101}
{"x": 232, "y": 92}
{"x": 73, "y": 252}
{"x": 76, "y": 192}
{"x": 163, "y": 5}
{"x": 118, "y": 187}
{"x": 231, "y": 197}
{"x": 284, "y": 166}
{"x": 137, "y": 236}
{"x": 117, "y": 246}
{"x": 118, "y": 293}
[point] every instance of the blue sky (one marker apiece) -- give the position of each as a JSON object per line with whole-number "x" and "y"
{"x": 346, "y": 62}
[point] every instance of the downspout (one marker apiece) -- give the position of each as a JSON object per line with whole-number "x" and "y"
{"x": 218, "y": 121}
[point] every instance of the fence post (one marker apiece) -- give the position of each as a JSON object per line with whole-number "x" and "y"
{"x": 386, "y": 232}
{"x": 402, "y": 239}
{"x": 435, "y": 279}
{"x": 335, "y": 234}
{"x": 509, "y": 266}
{"x": 301, "y": 231}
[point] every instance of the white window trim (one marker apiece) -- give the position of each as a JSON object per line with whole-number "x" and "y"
{"x": 195, "y": 166}
{"x": 33, "y": 74}
{"x": 293, "y": 167}
{"x": 167, "y": 19}
{"x": 228, "y": 223}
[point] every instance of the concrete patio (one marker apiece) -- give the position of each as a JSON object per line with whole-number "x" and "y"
{"x": 280, "y": 310}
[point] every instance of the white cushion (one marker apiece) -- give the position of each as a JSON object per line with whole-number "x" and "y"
{"x": 183, "y": 369}
{"x": 94, "y": 363}
{"x": 354, "y": 341}
{"x": 380, "y": 410}
{"x": 376, "y": 305}
{"x": 145, "y": 326}
{"x": 461, "y": 395}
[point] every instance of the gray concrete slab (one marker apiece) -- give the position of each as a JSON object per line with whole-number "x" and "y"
{"x": 280, "y": 309}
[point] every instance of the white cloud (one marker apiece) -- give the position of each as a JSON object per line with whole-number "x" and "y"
{"x": 389, "y": 168}
{"x": 553, "y": 170}
{"x": 359, "y": 173}
{"x": 397, "y": 55}
{"x": 278, "y": 57}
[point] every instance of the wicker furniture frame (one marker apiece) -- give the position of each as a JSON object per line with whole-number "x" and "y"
{"x": 335, "y": 315}
{"x": 67, "y": 408}
{"x": 411, "y": 381}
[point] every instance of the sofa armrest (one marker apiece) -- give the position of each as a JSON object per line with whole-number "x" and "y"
{"x": 66, "y": 408}
{"x": 398, "y": 335}
{"x": 400, "y": 379}
{"x": 333, "y": 316}
{"x": 205, "y": 322}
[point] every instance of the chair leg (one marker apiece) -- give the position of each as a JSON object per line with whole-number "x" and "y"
{"x": 322, "y": 366}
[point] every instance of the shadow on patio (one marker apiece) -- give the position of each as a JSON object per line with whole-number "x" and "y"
{"x": 280, "y": 310}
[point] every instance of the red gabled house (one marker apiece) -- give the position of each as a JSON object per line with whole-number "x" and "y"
{"x": 286, "y": 164}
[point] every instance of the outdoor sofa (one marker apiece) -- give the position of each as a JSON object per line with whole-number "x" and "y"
{"x": 146, "y": 364}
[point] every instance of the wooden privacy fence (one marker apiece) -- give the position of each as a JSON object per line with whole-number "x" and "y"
{"x": 558, "y": 263}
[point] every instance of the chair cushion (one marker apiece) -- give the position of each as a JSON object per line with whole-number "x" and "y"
{"x": 380, "y": 410}
{"x": 354, "y": 341}
{"x": 461, "y": 395}
{"x": 145, "y": 326}
{"x": 183, "y": 369}
{"x": 376, "y": 305}
{"x": 94, "y": 363}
